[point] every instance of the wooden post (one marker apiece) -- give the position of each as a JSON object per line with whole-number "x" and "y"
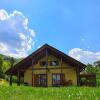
{"x": 12, "y": 63}
{"x": 61, "y": 72}
{"x": 78, "y": 76}
{"x": 47, "y": 67}
{"x": 10, "y": 82}
{"x": 32, "y": 71}
{"x": 18, "y": 78}
{"x": 95, "y": 80}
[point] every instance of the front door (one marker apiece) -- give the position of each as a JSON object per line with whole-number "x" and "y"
{"x": 40, "y": 80}
{"x": 43, "y": 80}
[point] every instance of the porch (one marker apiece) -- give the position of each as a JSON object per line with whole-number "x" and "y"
{"x": 57, "y": 79}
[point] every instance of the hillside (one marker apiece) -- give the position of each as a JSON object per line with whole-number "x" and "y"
{"x": 7, "y": 64}
{"x": 8, "y": 58}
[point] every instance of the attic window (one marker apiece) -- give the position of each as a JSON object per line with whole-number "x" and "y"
{"x": 54, "y": 63}
{"x": 43, "y": 63}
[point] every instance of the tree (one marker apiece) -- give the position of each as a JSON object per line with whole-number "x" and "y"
{"x": 6, "y": 65}
{"x": 90, "y": 68}
{"x": 97, "y": 64}
{"x": 1, "y": 63}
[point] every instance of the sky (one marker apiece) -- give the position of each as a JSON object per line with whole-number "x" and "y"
{"x": 72, "y": 26}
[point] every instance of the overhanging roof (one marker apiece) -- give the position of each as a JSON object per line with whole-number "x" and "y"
{"x": 38, "y": 54}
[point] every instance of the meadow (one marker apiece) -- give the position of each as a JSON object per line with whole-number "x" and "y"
{"x": 51, "y": 93}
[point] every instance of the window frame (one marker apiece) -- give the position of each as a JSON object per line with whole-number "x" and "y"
{"x": 43, "y": 65}
{"x": 56, "y": 74}
{"x": 57, "y": 63}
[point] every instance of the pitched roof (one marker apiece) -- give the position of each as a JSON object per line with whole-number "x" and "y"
{"x": 26, "y": 62}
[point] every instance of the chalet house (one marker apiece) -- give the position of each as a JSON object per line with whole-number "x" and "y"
{"x": 48, "y": 66}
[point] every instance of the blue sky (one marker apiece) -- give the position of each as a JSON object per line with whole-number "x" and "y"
{"x": 72, "y": 26}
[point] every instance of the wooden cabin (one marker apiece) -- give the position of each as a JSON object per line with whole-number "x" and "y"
{"x": 48, "y": 66}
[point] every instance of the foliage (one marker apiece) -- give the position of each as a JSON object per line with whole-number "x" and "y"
{"x": 14, "y": 79}
{"x": 94, "y": 68}
{"x": 97, "y": 64}
{"x": 6, "y": 65}
{"x": 90, "y": 69}
{"x": 1, "y": 70}
{"x": 3, "y": 82}
{"x": 7, "y": 62}
{"x": 1, "y": 60}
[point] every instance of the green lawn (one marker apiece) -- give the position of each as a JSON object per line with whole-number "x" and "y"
{"x": 62, "y": 93}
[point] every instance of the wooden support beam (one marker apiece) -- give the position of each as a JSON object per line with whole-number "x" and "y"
{"x": 61, "y": 72}
{"x": 18, "y": 77}
{"x": 32, "y": 70}
{"x": 46, "y": 67}
{"x": 95, "y": 81}
{"x": 12, "y": 63}
{"x": 78, "y": 76}
{"x": 10, "y": 81}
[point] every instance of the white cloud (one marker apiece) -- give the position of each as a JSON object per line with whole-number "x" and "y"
{"x": 16, "y": 38}
{"x": 84, "y": 56}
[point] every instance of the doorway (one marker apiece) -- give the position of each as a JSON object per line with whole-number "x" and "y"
{"x": 40, "y": 80}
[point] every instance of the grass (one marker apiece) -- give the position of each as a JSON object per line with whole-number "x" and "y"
{"x": 62, "y": 93}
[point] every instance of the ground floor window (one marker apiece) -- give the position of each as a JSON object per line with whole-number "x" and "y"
{"x": 56, "y": 79}
{"x": 40, "y": 80}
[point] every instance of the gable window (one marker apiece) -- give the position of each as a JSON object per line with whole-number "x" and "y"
{"x": 43, "y": 63}
{"x": 54, "y": 63}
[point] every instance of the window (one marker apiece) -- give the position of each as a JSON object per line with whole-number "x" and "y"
{"x": 54, "y": 63}
{"x": 56, "y": 79}
{"x": 43, "y": 63}
{"x": 40, "y": 79}
{"x": 51, "y": 63}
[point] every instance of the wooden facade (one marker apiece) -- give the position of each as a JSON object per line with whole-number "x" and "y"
{"x": 48, "y": 66}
